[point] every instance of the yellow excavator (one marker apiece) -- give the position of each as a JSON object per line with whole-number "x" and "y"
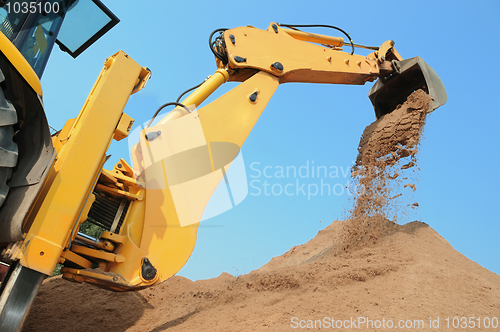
{"x": 150, "y": 211}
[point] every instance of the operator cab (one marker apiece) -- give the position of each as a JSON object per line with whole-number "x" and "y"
{"x": 35, "y": 26}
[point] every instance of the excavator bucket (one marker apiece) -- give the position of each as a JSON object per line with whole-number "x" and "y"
{"x": 409, "y": 75}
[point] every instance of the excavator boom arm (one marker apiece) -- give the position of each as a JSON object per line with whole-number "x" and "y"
{"x": 182, "y": 158}
{"x": 180, "y": 161}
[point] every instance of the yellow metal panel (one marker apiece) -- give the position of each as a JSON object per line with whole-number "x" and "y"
{"x": 19, "y": 62}
{"x": 301, "y": 61}
{"x": 134, "y": 222}
{"x": 169, "y": 243}
{"x": 181, "y": 156}
{"x": 231, "y": 117}
{"x": 78, "y": 164}
{"x": 123, "y": 128}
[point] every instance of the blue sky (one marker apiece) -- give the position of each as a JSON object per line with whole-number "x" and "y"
{"x": 304, "y": 123}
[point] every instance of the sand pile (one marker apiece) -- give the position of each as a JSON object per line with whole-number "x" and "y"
{"x": 413, "y": 276}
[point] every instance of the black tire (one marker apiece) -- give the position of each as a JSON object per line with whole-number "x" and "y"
{"x": 8, "y": 149}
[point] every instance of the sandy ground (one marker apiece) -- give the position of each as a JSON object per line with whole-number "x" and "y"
{"x": 412, "y": 275}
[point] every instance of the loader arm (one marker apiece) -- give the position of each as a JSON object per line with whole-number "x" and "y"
{"x": 179, "y": 162}
{"x": 62, "y": 203}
